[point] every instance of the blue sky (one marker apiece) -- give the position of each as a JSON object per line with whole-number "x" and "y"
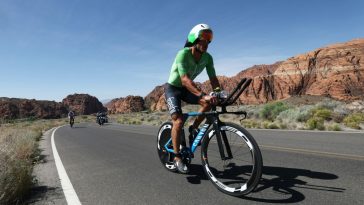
{"x": 50, "y": 49}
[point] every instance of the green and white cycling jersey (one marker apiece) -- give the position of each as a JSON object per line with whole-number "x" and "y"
{"x": 186, "y": 64}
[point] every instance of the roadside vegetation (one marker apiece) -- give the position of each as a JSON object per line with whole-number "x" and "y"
{"x": 19, "y": 139}
{"x": 19, "y": 152}
{"x": 325, "y": 114}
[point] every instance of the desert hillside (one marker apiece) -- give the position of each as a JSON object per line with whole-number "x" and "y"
{"x": 334, "y": 71}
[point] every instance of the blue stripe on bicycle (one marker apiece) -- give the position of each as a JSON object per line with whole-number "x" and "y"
{"x": 194, "y": 113}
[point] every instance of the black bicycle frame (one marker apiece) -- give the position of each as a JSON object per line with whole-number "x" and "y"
{"x": 212, "y": 118}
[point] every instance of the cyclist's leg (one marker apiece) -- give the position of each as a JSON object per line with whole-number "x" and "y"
{"x": 177, "y": 121}
{"x": 193, "y": 99}
{"x": 177, "y": 127}
{"x": 173, "y": 99}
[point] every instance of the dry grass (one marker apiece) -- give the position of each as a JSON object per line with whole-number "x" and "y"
{"x": 19, "y": 153}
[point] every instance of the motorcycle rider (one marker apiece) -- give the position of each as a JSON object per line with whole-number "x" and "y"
{"x": 101, "y": 116}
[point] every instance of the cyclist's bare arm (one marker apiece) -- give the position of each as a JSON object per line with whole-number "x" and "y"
{"x": 214, "y": 82}
{"x": 190, "y": 85}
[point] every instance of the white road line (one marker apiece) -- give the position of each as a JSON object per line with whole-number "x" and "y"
{"x": 69, "y": 192}
{"x": 308, "y": 131}
{"x": 332, "y": 154}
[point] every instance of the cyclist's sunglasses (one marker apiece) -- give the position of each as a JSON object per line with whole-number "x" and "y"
{"x": 206, "y": 35}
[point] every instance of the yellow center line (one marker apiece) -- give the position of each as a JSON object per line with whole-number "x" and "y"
{"x": 331, "y": 154}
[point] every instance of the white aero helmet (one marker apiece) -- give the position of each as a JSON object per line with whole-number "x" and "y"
{"x": 197, "y": 32}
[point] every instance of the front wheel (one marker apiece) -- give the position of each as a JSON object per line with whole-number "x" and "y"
{"x": 240, "y": 171}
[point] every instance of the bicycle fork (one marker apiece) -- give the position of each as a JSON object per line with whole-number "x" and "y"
{"x": 222, "y": 138}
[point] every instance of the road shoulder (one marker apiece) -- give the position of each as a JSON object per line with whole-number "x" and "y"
{"x": 48, "y": 189}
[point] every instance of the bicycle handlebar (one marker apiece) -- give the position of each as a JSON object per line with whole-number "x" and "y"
{"x": 233, "y": 96}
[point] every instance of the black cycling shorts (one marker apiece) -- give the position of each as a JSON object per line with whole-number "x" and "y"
{"x": 174, "y": 95}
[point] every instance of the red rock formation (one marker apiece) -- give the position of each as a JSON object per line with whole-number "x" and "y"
{"x": 334, "y": 71}
{"x": 83, "y": 104}
{"x": 155, "y": 100}
{"x": 13, "y": 108}
{"x": 126, "y": 105}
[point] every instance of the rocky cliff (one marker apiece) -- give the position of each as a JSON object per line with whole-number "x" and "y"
{"x": 155, "y": 100}
{"x": 13, "y": 108}
{"x": 83, "y": 104}
{"x": 126, "y": 105}
{"x": 334, "y": 71}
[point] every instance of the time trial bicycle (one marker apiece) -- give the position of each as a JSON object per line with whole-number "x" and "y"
{"x": 231, "y": 158}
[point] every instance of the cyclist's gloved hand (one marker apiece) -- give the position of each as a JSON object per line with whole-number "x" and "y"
{"x": 220, "y": 94}
{"x": 212, "y": 99}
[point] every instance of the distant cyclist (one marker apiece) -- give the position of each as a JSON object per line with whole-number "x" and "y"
{"x": 190, "y": 62}
{"x": 71, "y": 116}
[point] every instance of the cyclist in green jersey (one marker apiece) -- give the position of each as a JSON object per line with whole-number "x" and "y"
{"x": 190, "y": 62}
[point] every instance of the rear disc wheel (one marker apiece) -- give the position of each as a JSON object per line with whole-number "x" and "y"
{"x": 166, "y": 157}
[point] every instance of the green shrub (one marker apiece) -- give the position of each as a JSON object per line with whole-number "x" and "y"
{"x": 354, "y": 120}
{"x": 136, "y": 122}
{"x": 322, "y": 113}
{"x": 122, "y": 120}
{"x": 273, "y": 126}
{"x": 334, "y": 127}
{"x": 329, "y": 104}
{"x": 295, "y": 114}
{"x": 271, "y": 110}
{"x": 315, "y": 123}
{"x": 317, "y": 117}
{"x": 31, "y": 119}
{"x": 269, "y": 125}
{"x": 303, "y": 116}
{"x": 288, "y": 116}
{"x": 247, "y": 123}
{"x": 283, "y": 126}
{"x": 311, "y": 124}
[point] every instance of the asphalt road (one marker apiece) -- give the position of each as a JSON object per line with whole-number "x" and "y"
{"x": 118, "y": 164}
